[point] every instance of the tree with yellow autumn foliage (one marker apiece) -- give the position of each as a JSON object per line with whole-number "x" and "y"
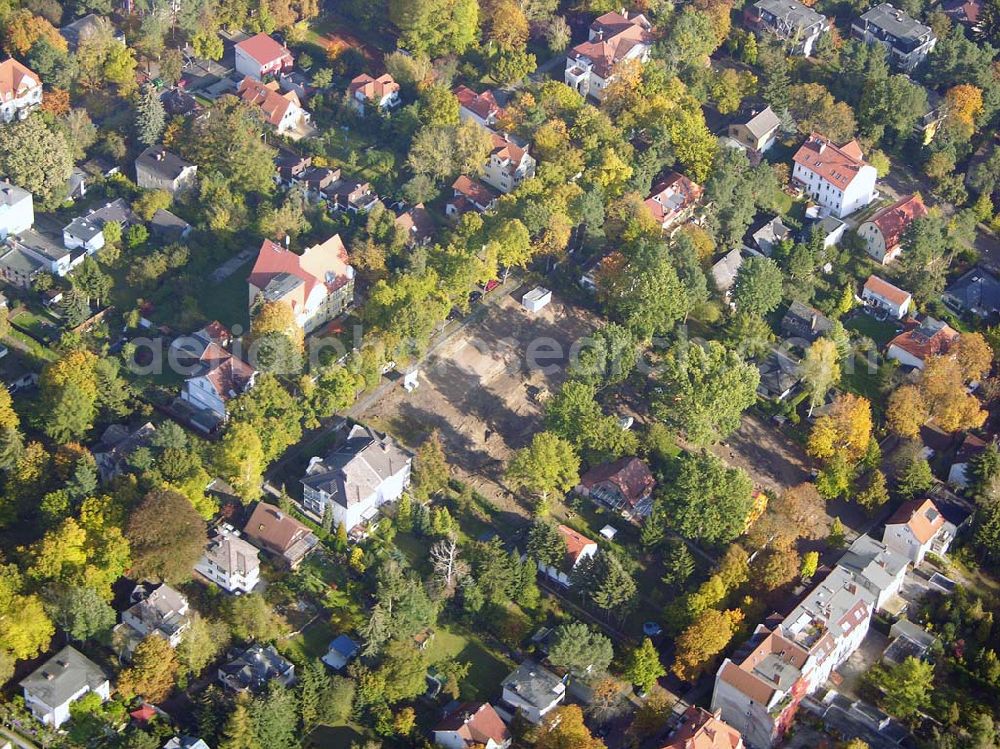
{"x": 845, "y": 431}
{"x": 963, "y": 103}
{"x": 943, "y": 386}
{"x": 703, "y": 640}
{"x": 907, "y": 411}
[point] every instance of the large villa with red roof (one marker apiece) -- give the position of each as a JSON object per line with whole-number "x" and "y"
{"x": 260, "y": 55}
{"x": 836, "y": 177}
{"x": 318, "y": 284}
{"x": 613, "y": 39}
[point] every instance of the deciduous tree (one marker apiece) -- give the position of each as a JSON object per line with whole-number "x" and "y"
{"x": 643, "y": 667}
{"x": 845, "y": 430}
{"x": 167, "y": 536}
{"x": 549, "y": 464}
{"x": 701, "y": 642}
{"x": 152, "y": 672}
{"x": 707, "y": 500}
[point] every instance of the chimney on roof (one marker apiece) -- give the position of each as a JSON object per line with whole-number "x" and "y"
{"x": 822, "y": 146}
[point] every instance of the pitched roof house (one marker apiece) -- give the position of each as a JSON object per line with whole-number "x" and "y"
{"x": 958, "y": 472}
{"x": 230, "y": 562}
{"x": 673, "y": 199}
{"x": 882, "y": 295}
{"x": 907, "y": 41}
{"x": 916, "y": 528}
{"x": 156, "y": 610}
{"x": 282, "y": 111}
{"x": 381, "y": 92}
{"x": 804, "y": 322}
{"x": 483, "y": 109}
{"x": 217, "y": 377}
{"x": 254, "y": 668}
{"x": 533, "y": 690}
{"x": 117, "y": 443}
{"x": 357, "y": 478}
{"x": 578, "y": 548}
{"x": 771, "y": 234}
{"x": 280, "y": 534}
{"x": 59, "y": 682}
{"x": 928, "y": 338}
{"x": 87, "y": 232}
{"x": 756, "y": 131}
{"x": 20, "y": 90}
{"x": 470, "y": 195}
{"x": 779, "y": 374}
{"x": 158, "y": 169}
{"x": 724, "y": 271}
{"x": 883, "y": 232}
{"x": 625, "y": 485}
{"x": 788, "y": 20}
{"x": 260, "y": 56}
{"x": 700, "y": 729}
{"x": 472, "y": 724}
{"x": 836, "y": 177}
{"x": 341, "y": 651}
{"x": 318, "y": 284}
{"x": 977, "y": 291}
{"x": 417, "y": 223}
{"x": 509, "y": 164}
{"x": 613, "y": 38}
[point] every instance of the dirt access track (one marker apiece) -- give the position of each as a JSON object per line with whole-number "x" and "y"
{"x": 482, "y": 390}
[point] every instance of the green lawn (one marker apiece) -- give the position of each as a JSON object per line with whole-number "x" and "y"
{"x": 488, "y": 669}
{"x": 227, "y": 301}
{"x": 326, "y": 737}
{"x": 312, "y": 643}
{"x": 40, "y": 325}
{"x": 862, "y": 382}
{"x": 879, "y": 331}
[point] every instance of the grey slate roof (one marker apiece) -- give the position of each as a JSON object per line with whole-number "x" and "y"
{"x": 39, "y": 244}
{"x": 803, "y": 321}
{"x": 873, "y": 564}
{"x": 168, "y": 225}
{"x": 778, "y": 374}
{"x": 795, "y": 15}
{"x": 163, "y": 163}
{"x": 535, "y": 685}
{"x": 763, "y": 122}
{"x": 254, "y": 668}
{"x": 232, "y": 554}
{"x": 89, "y": 226}
{"x": 895, "y": 22}
{"x": 12, "y": 194}
{"x": 357, "y": 468}
{"x": 976, "y": 291}
{"x": 62, "y": 676}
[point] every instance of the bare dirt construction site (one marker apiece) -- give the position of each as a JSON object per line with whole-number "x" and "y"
{"x": 483, "y": 390}
{"x": 774, "y": 461}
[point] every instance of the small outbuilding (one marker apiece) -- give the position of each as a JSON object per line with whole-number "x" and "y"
{"x": 536, "y": 299}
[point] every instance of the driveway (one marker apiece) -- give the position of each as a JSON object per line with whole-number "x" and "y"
{"x": 852, "y": 671}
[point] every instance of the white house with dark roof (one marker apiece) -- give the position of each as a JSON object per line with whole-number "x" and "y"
{"x": 156, "y": 168}
{"x": 788, "y": 20}
{"x": 906, "y": 40}
{"x": 59, "y": 682}
{"x": 613, "y": 38}
{"x": 87, "y": 232}
{"x": 836, "y": 177}
{"x": 357, "y": 478}
{"x": 254, "y": 668}
{"x": 230, "y": 562}
{"x": 977, "y": 292}
{"x": 156, "y": 610}
{"x": 533, "y": 690}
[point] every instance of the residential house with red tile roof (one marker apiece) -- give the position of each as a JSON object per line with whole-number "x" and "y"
{"x": 483, "y": 109}
{"x": 882, "y": 295}
{"x": 381, "y": 92}
{"x": 700, "y": 729}
{"x": 624, "y": 485}
{"x": 578, "y": 548}
{"x": 282, "y": 111}
{"x": 673, "y": 200}
{"x": 20, "y": 90}
{"x": 417, "y": 224}
{"x": 473, "y": 725}
{"x": 916, "y": 528}
{"x": 470, "y": 194}
{"x": 883, "y": 232}
{"x": 509, "y": 164}
{"x": 929, "y": 337}
{"x": 318, "y": 284}
{"x": 217, "y": 378}
{"x": 260, "y": 56}
{"x": 613, "y": 39}
{"x": 836, "y": 177}
{"x": 279, "y": 534}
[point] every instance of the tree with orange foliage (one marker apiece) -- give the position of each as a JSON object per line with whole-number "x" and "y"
{"x": 974, "y": 355}
{"x": 24, "y": 28}
{"x": 56, "y": 102}
{"x": 703, "y": 640}
{"x": 943, "y": 387}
